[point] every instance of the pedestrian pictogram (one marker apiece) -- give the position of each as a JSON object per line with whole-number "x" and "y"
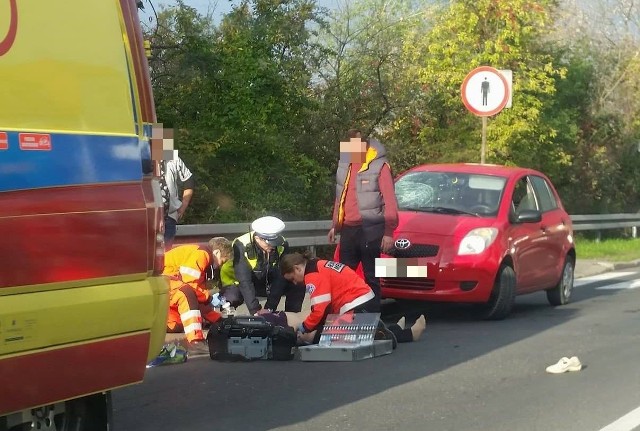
{"x": 485, "y": 91}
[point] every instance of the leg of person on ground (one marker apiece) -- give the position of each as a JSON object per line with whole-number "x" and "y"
{"x": 405, "y": 335}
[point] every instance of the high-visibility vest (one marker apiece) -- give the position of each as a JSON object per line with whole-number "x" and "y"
{"x": 227, "y": 272}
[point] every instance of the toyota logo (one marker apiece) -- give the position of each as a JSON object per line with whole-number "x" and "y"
{"x": 402, "y": 244}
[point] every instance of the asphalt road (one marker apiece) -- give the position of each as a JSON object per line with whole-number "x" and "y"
{"x": 462, "y": 375}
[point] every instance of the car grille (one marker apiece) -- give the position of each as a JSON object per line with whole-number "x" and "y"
{"x": 408, "y": 283}
{"x": 417, "y": 250}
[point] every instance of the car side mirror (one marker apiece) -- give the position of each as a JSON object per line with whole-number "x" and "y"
{"x": 527, "y": 216}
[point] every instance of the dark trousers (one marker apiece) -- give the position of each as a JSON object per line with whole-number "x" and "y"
{"x": 170, "y": 228}
{"x": 274, "y": 288}
{"x": 355, "y": 249}
{"x": 279, "y": 287}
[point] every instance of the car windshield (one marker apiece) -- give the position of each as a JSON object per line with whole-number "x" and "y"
{"x": 450, "y": 193}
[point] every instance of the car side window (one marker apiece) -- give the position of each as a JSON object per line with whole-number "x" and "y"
{"x": 523, "y": 197}
{"x": 546, "y": 197}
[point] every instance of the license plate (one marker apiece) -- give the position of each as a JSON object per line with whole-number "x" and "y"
{"x": 390, "y": 267}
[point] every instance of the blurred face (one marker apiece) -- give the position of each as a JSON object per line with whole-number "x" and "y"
{"x": 264, "y": 245}
{"x": 354, "y": 151}
{"x": 296, "y": 276}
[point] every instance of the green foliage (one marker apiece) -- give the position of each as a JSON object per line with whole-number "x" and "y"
{"x": 260, "y": 101}
{"x": 468, "y": 34}
{"x": 241, "y": 113}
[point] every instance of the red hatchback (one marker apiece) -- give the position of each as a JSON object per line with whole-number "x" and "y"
{"x": 482, "y": 234}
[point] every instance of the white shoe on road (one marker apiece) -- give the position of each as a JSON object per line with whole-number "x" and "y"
{"x": 565, "y": 364}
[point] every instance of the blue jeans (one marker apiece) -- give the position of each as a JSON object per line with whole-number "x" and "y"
{"x": 169, "y": 232}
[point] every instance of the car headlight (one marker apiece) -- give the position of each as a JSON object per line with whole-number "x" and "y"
{"x": 477, "y": 241}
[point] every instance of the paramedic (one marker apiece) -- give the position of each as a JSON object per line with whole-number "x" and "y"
{"x": 186, "y": 267}
{"x": 334, "y": 288}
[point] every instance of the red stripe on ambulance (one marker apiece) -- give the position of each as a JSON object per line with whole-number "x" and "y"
{"x": 71, "y": 371}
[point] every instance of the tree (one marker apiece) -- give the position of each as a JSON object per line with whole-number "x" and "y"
{"x": 240, "y": 101}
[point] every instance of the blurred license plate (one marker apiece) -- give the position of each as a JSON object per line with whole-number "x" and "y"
{"x": 413, "y": 267}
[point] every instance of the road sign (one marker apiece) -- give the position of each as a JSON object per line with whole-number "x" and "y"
{"x": 485, "y": 91}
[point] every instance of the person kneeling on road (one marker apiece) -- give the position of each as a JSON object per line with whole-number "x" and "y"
{"x": 186, "y": 267}
{"x": 334, "y": 288}
{"x": 254, "y": 269}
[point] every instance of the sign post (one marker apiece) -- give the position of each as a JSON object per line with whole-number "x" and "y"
{"x": 485, "y": 92}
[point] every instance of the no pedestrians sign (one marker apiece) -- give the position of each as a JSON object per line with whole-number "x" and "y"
{"x": 485, "y": 91}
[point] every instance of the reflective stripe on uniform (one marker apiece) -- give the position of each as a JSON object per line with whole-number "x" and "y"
{"x": 194, "y": 327}
{"x": 320, "y": 299}
{"x": 358, "y": 301}
{"x": 190, "y": 271}
{"x": 192, "y": 314}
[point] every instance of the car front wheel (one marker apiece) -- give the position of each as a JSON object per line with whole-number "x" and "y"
{"x": 502, "y": 296}
{"x": 561, "y": 293}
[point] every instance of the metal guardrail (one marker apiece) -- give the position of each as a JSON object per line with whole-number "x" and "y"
{"x": 314, "y": 233}
{"x": 605, "y": 221}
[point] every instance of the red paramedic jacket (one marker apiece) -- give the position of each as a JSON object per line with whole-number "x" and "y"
{"x": 333, "y": 288}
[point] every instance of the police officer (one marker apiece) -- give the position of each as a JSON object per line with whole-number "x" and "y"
{"x": 254, "y": 269}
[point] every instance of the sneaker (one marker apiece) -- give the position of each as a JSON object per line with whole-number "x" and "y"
{"x": 565, "y": 364}
{"x": 198, "y": 348}
{"x": 178, "y": 357}
{"x": 169, "y": 354}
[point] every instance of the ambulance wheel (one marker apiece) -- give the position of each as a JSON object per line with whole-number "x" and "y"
{"x": 90, "y": 413}
{"x": 93, "y": 412}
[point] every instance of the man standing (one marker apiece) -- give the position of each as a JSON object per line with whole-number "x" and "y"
{"x": 176, "y": 176}
{"x": 365, "y": 211}
{"x": 254, "y": 269}
{"x": 190, "y": 301}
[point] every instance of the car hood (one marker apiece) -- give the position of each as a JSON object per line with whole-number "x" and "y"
{"x": 441, "y": 225}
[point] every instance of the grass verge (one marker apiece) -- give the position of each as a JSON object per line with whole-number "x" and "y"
{"x": 615, "y": 250}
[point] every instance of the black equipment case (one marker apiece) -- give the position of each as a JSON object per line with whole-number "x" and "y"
{"x": 241, "y": 338}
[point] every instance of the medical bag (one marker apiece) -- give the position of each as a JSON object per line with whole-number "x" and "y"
{"x": 241, "y": 338}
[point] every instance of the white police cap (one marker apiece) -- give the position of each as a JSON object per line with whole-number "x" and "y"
{"x": 269, "y": 229}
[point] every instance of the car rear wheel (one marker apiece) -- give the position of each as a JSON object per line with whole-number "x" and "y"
{"x": 561, "y": 293}
{"x": 502, "y": 296}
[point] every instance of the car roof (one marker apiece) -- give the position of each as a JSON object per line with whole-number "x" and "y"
{"x": 475, "y": 168}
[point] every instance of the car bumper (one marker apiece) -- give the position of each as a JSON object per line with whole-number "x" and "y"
{"x": 465, "y": 279}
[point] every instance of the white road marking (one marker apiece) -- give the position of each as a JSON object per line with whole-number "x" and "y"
{"x": 600, "y": 277}
{"x": 632, "y": 284}
{"x": 627, "y": 422}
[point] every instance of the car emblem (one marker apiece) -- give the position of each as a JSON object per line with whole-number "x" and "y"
{"x": 402, "y": 244}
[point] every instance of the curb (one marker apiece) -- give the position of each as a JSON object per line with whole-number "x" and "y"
{"x": 624, "y": 265}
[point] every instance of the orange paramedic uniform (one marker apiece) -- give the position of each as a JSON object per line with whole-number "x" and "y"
{"x": 189, "y": 299}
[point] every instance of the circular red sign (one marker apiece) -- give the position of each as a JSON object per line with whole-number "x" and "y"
{"x": 485, "y": 97}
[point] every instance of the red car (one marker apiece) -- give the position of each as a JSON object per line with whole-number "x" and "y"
{"x": 483, "y": 234}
